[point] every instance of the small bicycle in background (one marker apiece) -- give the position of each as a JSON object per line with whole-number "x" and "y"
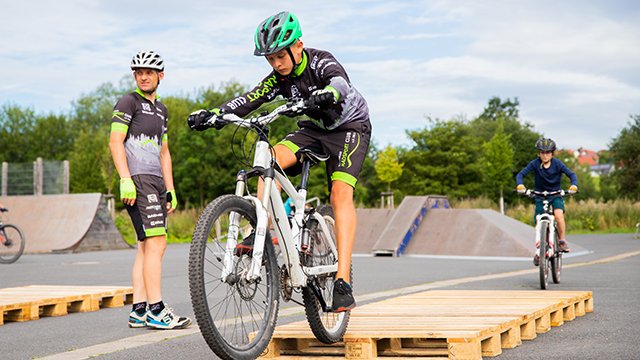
{"x": 547, "y": 236}
{"x": 11, "y": 241}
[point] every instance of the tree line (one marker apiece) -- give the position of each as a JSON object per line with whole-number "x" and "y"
{"x": 458, "y": 157}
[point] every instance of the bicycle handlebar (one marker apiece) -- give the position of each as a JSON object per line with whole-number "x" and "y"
{"x": 545, "y": 194}
{"x": 293, "y": 106}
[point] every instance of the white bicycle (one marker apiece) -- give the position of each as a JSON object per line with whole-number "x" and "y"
{"x": 236, "y": 295}
{"x": 547, "y": 236}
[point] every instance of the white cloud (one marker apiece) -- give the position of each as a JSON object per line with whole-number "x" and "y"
{"x": 573, "y": 65}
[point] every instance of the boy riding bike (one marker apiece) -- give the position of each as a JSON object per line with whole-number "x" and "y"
{"x": 547, "y": 177}
{"x": 339, "y": 125}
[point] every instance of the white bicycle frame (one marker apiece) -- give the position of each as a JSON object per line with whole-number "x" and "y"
{"x": 288, "y": 234}
{"x": 551, "y": 225}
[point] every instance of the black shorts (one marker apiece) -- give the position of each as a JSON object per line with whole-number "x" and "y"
{"x": 347, "y": 147}
{"x": 149, "y": 212}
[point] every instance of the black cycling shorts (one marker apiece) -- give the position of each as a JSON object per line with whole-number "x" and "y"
{"x": 347, "y": 147}
{"x": 149, "y": 212}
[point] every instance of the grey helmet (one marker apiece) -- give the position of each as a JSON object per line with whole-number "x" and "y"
{"x": 545, "y": 144}
{"x": 147, "y": 60}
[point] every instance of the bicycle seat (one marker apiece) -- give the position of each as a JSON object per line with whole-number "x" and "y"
{"x": 313, "y": 156}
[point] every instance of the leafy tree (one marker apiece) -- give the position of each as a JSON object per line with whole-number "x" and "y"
{"x": 497, "y": 163}
{"x": 90, "y": 163}
{"x": 16, "y": 129}
{"x": 522, "y": 137}
{"x": 387, "y": 166}
{"x": 443, "y": 161}
{"x": 52, "y": 137}
{"x": 625, "y": 149}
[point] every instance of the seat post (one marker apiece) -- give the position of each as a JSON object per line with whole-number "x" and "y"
{"x": 304, "y": 176}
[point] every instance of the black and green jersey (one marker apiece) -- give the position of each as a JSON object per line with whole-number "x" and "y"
{"x": 318, "y": 70}
{"x": 145, "y": 124}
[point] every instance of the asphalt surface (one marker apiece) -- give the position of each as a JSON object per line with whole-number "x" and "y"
{"x": 612, "y": 331}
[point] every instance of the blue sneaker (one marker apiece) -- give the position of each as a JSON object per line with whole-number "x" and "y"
{"x": 167, "y": 320}
{"x": 138, "y": 321}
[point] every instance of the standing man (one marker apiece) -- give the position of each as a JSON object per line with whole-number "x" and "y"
{"x": 140, "y": 151}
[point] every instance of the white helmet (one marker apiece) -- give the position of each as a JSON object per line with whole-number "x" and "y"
{"x": 147, "y": 60}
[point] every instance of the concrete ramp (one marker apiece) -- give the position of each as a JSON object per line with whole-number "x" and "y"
{"x": 64, "y": 223}
{"x": 472, "y": 232}
{"x": 404, "y": 222}
{"x": 371, "y": 223}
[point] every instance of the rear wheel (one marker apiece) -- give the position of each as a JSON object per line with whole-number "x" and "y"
{"x": 11, "y": 244}
{"x": 328, "y": 327}
{"x": 544, "y": 259}
{"x": 236, "y": 316}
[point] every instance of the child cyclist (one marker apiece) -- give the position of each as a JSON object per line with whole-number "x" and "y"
{"x": 547, "y": 177}
{"x": 339, "y": 125}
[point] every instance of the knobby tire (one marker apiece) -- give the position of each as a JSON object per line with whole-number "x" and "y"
{"x": 236, "y": 319}
{"x": 328, "y": 327}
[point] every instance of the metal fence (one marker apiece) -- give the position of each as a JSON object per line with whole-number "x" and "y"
{"x": 37, "y": 178}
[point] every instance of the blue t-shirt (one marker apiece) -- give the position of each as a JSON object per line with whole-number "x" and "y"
{"x": 547, "y": 179}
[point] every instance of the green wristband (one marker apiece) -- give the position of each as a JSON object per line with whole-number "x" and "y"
{"x": 127, "y": 189}
{"x": 172, "y": 198}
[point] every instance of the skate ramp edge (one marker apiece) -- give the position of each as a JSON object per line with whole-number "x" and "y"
{"x": 472, "y": 232}
{"x": 404, "y": 223}
{"x": 64, "y": 223}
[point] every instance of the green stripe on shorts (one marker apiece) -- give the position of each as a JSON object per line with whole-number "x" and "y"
{"x": 344, "y": 177}
{"x": 159, "y": 231}
{"x": 289, "y": 145}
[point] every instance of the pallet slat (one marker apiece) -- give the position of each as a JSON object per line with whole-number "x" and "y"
{"x": 453, "y": 324}
{"x": 31, "y": 302}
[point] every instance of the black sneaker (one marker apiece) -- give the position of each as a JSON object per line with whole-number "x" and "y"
{"x": 536, "y": 260}
{"x": 246, "y": 246}
{"x": 562, "y": 246}
{"x": 342, "y": 296}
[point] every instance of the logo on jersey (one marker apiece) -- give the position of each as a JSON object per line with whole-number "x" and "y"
{"x": 295, "y": 92}
{"x": 237, "y": 102}
{"x": 146, "y": 107}
{"x": 152, "y": 198}
{"x": 264, "y": 88}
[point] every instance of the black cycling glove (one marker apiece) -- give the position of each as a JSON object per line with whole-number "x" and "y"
{"x": 321, "y": 99}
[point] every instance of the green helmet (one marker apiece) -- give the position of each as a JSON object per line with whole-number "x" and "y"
{"x": 277, "y": 32}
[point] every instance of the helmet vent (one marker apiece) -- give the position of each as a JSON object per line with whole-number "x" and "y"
{"x": 286, "y": 36}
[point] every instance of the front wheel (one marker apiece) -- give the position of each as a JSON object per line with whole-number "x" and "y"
{"x": 544, "y": 259}
{"x": 328, "y": 327}
{"x": 11, "y": 244}
{"x": 556, "y": 267}
{"x": 236, "y": 316}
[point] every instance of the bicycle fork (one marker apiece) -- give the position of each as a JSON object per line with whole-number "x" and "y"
{"x": 259, "y": 236}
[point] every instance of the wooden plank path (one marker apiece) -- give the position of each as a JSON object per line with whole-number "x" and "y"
{"x": 31, "y": 302}
{"x": 445, "y": 324}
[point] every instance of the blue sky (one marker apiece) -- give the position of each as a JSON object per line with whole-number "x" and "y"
{"x": 573, "y": 65}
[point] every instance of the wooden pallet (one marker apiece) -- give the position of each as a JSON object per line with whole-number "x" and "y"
{"x": 441, "y": 324}
{"x": 31, "y": 302}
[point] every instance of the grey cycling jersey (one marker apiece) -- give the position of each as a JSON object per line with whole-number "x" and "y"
{"x": 145, "y": 124}
{"x": 317, "y": 70}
